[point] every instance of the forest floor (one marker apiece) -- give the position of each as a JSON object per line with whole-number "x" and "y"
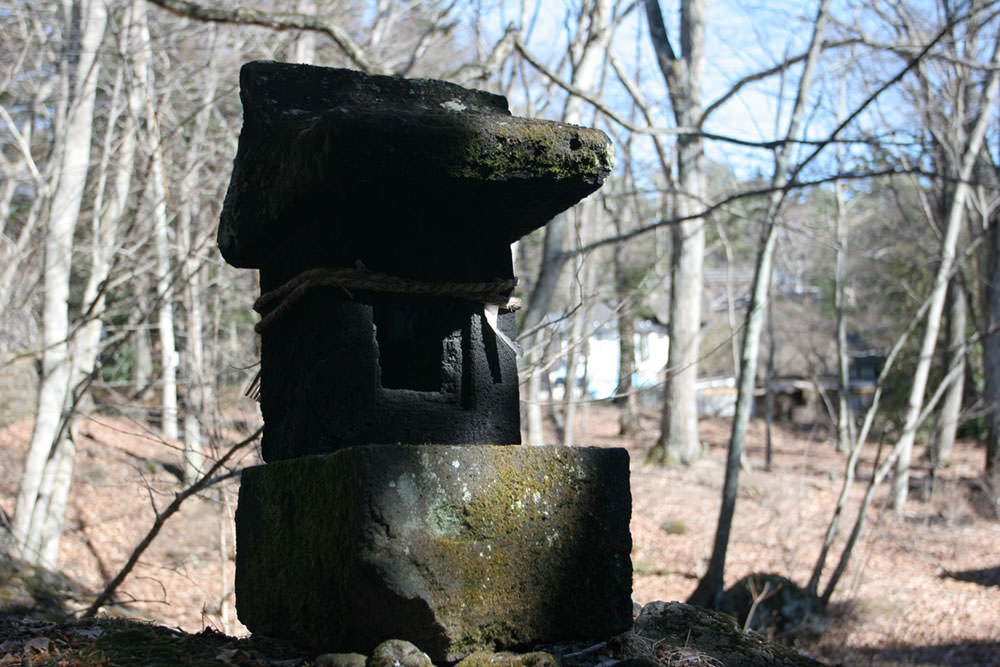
{"x": 921, "y": 589}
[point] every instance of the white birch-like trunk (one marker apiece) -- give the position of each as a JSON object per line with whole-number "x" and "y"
{"x": 142, "y": 349}
{"x": 683, "y": 73}
{"x": 949, "y": 244}
{"x": 169, "y": 359}
{"x": 588, "y": 51}
{"x": 86, "y": 28}
{"x": 194, "y": 304}
{"x": 86, "y": 343}
{"x": 47, "y": 521}
{"x": 951, "y": 406}
{"x": 109, "y": 209}
{"x": 304, "y": 49}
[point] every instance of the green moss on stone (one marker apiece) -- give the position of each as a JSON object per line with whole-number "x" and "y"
{"x": 501, "y": 148}
{"x": 515, "y": 523}
{"x": 482, "y": 547}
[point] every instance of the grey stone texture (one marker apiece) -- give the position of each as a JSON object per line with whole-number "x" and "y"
{"x": 414, "y": 369}
{"x": 398, "y": 653}
{"x": 347, "y": 539}
{"x": 454, "y": 548}
{"x": 341, "y": 660}
{"x": 419, "y": 179}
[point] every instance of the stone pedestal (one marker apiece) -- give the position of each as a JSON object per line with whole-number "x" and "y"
{"x": 454, "y": 548}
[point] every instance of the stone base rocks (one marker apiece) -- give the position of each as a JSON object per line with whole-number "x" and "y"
{"x": 454, "y": 548}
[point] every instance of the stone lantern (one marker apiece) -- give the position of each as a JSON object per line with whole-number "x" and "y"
{"x": 380, "y": 212}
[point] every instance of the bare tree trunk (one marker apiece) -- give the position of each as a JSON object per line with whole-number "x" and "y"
{"x": 47, "y": 453}
{"x": 553, "y": 258}
{"x": 850, "y": 468}
{"x": 991, "y": 359}
{"x": 304, "y": 50}
{"x": 710, "y": 587}
{"x": 949, "y": 243}
{"x": 628, "y": 403}
{"x": 85, "y": 345}
{"x": 47, "y": 520}
{"x": 588, "y": 49}
{"x": 769, "y": 388}
{"x": 678, "y": 442}
{"x": 845, "y": 413}
{"x": 169, "y": 359}
{"x": 194, "y": 302}
{"x": 142, "y": 349}
{"x": 951, "y": 407}
{"x": 583, "y": 286}
{"x": 572, "y": 363}
{"x": 734, "y": 339}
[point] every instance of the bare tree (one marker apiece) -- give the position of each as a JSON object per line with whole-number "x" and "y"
{"x": 946, "y": 266}
{"x": 841, "y": 224}
{"x": 991, "y": 358}
{"x": 594, "y": 30}
{"x": 710, "y": 586}
{"x": 45, "y": 481}
{"x": 192, "y": 241}
{"x": 683, "y": 73}
{"x": 949, "y": 416}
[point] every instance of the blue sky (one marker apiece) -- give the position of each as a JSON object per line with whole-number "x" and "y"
{"x": 743, "y": 36}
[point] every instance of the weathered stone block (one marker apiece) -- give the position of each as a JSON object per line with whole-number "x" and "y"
{"x": 416, "y": 180}
{"x": 454, "y": 548}
{"x": 332, "y": 375}
{"x": 335, "y": 166}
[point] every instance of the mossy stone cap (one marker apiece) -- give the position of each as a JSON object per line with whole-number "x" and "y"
{"x": 343, "y": 157}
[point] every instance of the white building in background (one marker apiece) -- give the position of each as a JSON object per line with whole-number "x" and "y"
{"x": 598, "y": 368}
{"x": 651, "y": 347}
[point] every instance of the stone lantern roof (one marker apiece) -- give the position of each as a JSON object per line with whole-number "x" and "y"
{"x": 412, "y": 177}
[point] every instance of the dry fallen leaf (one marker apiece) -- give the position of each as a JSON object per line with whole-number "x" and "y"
{"x": 39, "y": 644}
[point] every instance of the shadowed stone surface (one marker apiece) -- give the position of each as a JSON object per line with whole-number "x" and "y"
{"x": 332, "y": 163}
{"x": 418, "y": 179}
{"x": 455, "y": 549}
{"x": 338, "y": 371}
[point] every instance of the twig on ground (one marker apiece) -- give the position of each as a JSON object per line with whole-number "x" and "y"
{"x": 206, "y": 480}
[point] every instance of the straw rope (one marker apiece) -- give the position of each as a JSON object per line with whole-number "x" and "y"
{"x": 272, "y": 305}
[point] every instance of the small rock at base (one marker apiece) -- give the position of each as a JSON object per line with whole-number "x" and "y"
{"x": 506, "y": 659}
{"x": 341, "y": 660}
{"x": 398, "y": 653}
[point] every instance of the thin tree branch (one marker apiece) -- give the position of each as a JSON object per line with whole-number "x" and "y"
{"x": 597, "y": 104}
{"x": 778, "y": 68}
{"x": 203, "y": 482}
{"x": 277, "y": 21}
{"x": 755, "y": 192}
{"x": 767, "y": 144}
{"x": 913, "y": 62}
